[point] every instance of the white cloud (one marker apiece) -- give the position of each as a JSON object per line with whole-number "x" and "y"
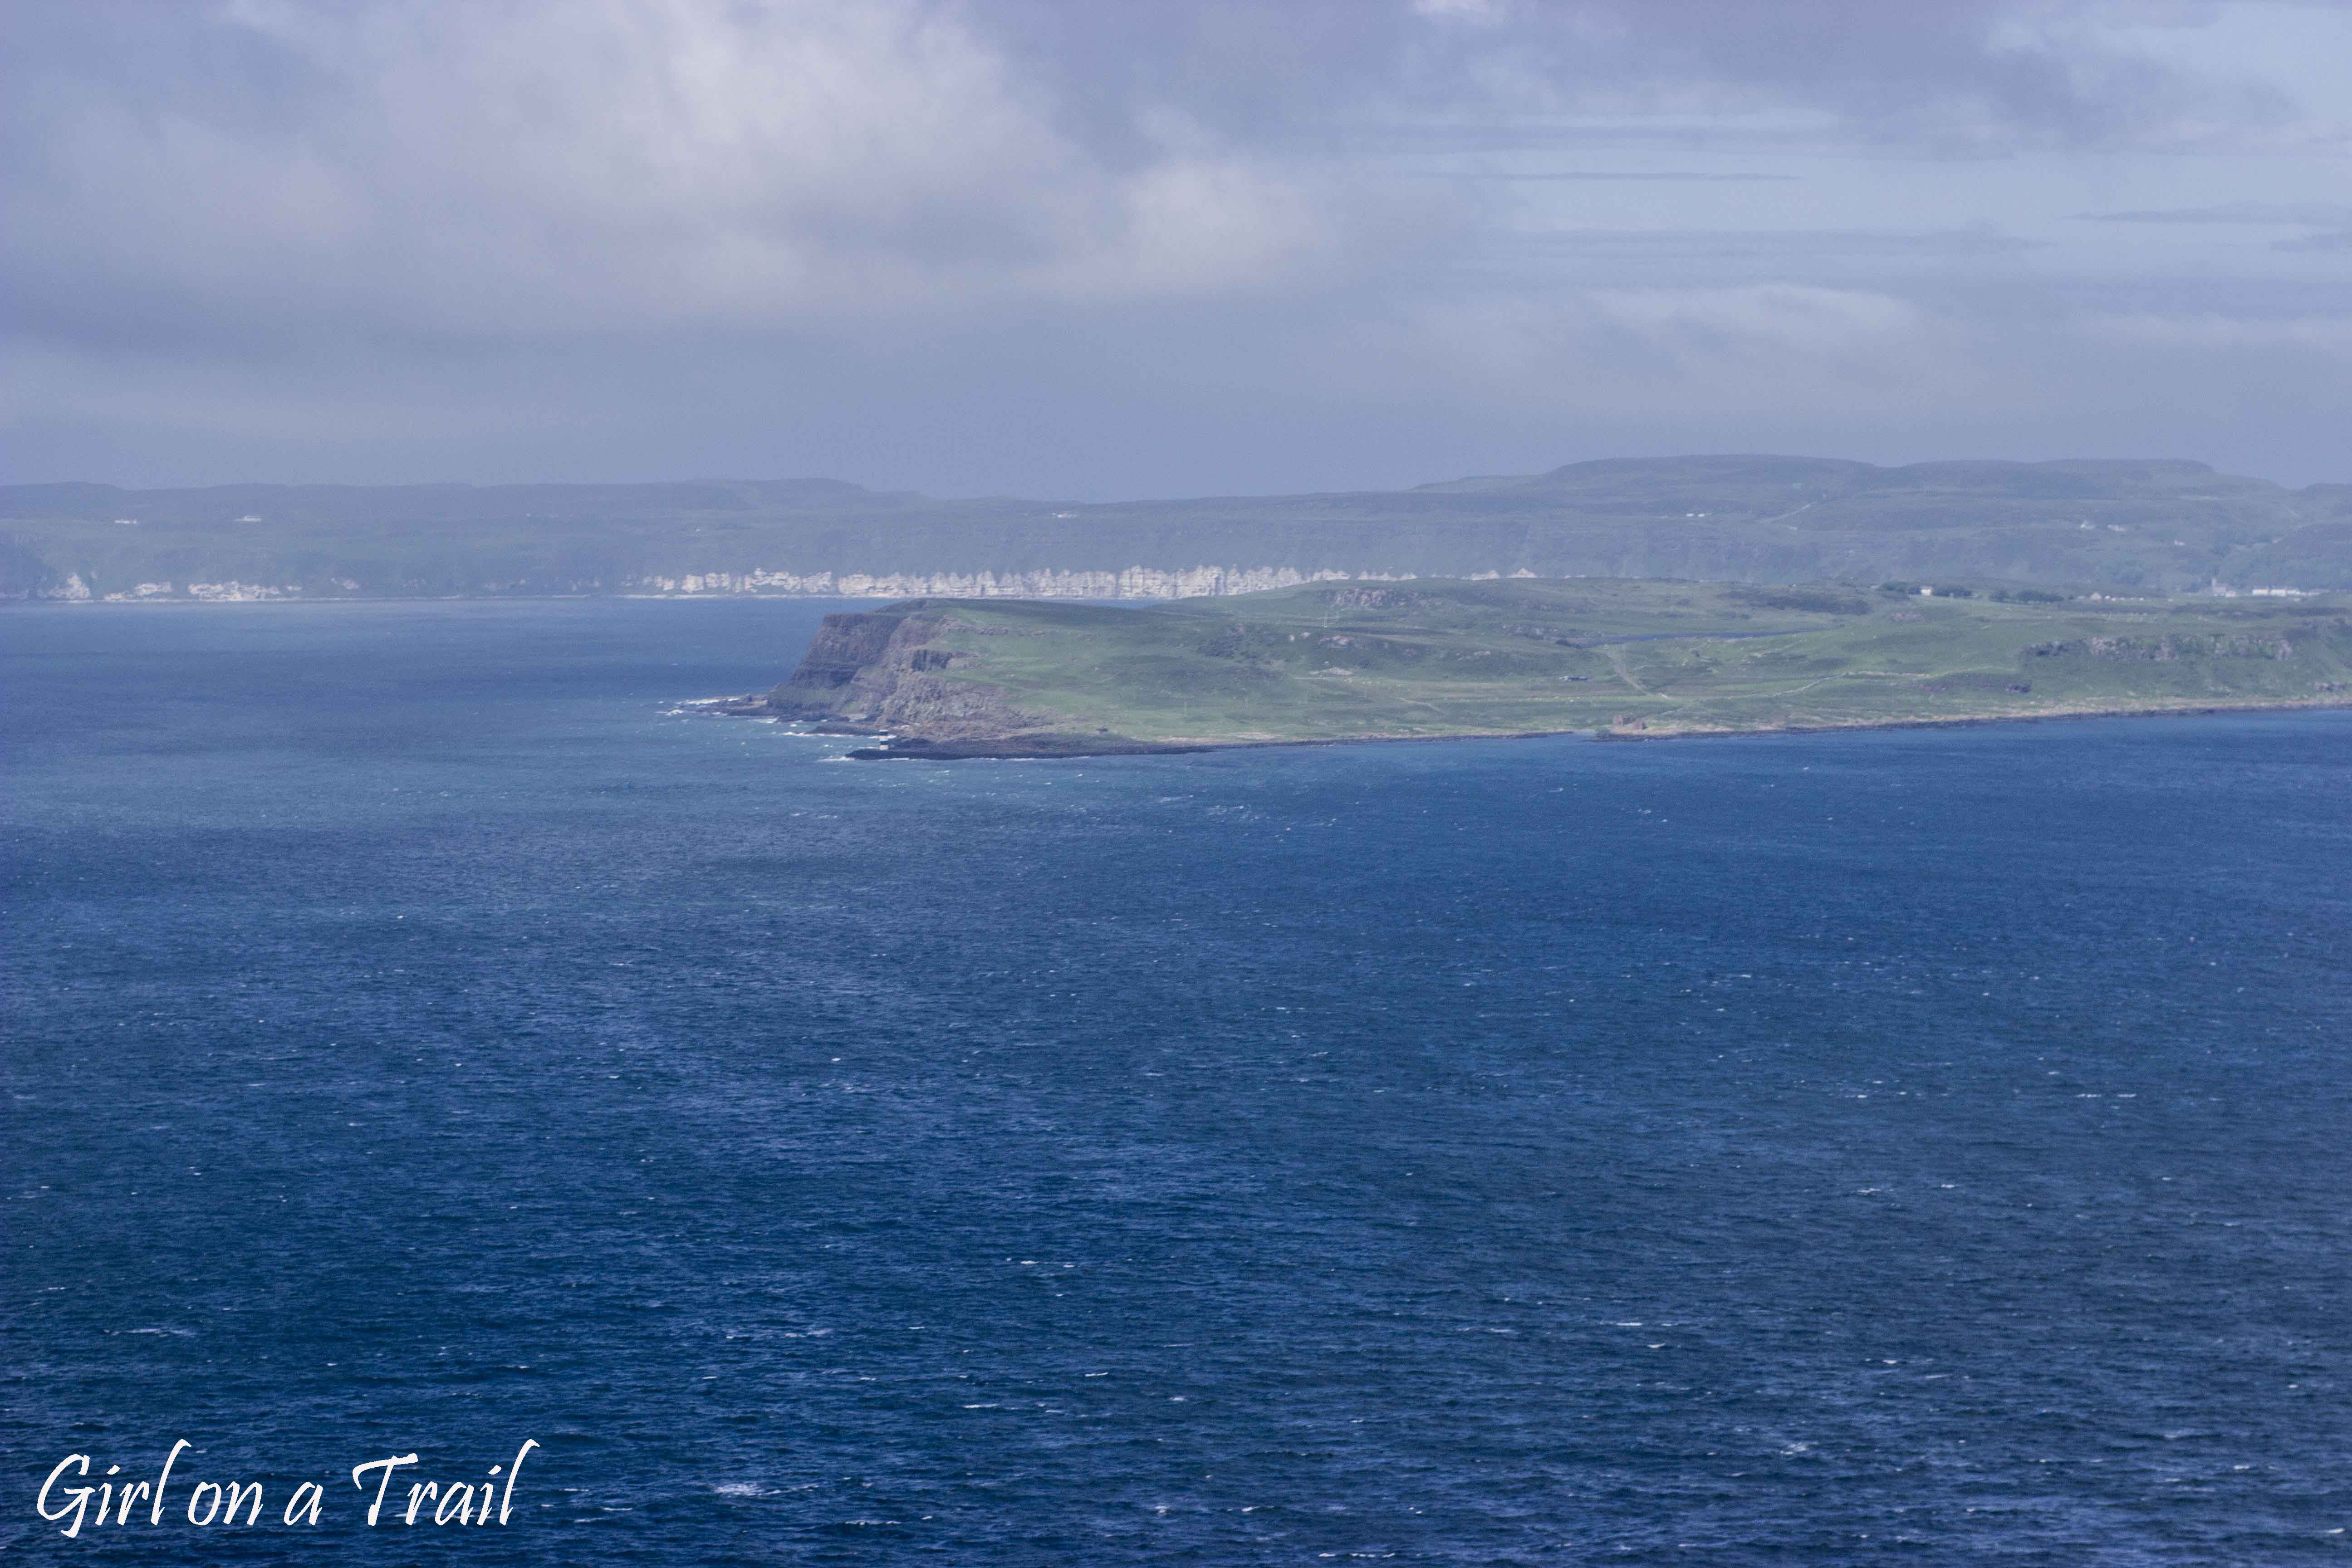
{"x": 2328, "y": 336}
{"x": 567, "y": 166}
{"x": 1766, "y": 317}
{"x": 1482, "y": 11}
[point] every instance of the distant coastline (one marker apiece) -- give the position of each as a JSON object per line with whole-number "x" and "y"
{"x": 1139, "y": 582}
{"x": 2137, "y": 526}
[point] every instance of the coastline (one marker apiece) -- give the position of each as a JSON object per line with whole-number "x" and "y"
{"x": 1041, "y": 748}
{"x": 189, "y": 601}
{"x": 1625, "y": 660}
{"x": 1970, "y": 721}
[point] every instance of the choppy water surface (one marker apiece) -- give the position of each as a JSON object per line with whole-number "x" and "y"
{"x": 1906, "y": 1147}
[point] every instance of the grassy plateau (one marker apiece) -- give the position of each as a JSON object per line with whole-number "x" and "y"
{"x": 1433, "y": 658}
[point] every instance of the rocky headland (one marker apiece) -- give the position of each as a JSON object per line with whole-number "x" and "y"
{"x": 1625, "y": 659}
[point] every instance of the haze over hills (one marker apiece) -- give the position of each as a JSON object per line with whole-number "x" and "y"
{"x": 2083, "y": 524}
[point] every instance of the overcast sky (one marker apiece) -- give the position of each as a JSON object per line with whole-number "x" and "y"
{"x": 1094, "y": 248}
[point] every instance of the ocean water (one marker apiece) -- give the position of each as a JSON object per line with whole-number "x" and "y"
{"x": 1905, "y": 1147}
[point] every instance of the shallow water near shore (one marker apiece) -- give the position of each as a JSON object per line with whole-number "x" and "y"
{"x": 1899, "y": 1146}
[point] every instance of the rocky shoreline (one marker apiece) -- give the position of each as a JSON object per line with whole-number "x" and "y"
{"x": 1049, "y": 745}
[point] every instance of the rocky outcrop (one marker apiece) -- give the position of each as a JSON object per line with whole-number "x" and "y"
{"x": 1361, "y": 598}
{"x": 2166, "y": 649}
{"x": 881, "y": 670}
{"x": 844, "y": 647}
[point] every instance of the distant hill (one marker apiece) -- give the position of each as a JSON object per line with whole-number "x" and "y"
{"x": 2087, "y": 525}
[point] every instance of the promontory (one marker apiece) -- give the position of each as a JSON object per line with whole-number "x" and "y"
{"x": 1436, "y": 657}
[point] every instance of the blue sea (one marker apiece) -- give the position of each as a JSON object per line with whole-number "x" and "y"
{"x": 1909, "y": 1147}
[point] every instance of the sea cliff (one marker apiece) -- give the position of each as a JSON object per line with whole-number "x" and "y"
{"x": 1625, "y": 659}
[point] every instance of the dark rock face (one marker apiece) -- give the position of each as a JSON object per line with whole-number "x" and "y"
{"x": 844, "y": 645}
{"x": 1354, "y": 598}
{"x": 873, "y": 669}
{"x": 2165, "y": 650}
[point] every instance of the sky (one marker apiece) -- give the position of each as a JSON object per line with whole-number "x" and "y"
{"x": 1114, "y": 249}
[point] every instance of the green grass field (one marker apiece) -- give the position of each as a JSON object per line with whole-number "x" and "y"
{"x": 1441, "y": 658}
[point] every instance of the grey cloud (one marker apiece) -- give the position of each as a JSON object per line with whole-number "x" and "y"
{"x": 2235, "y": 212}
{"x": 1063, "y": 246}
{"x": 506, "y": 175}
{"x": 1956, "y": 72}
{"x": 1771, "y": 243}
{"x": 1605, "y": 176}
{"x": 1664, "y": 175}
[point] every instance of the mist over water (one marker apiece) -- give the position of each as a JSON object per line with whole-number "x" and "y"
{"x": 1912, "y": 1145}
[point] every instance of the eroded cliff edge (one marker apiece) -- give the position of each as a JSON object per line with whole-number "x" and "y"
{"x": 884, "y": 672}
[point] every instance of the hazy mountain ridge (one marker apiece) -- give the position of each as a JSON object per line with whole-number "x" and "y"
{"x": 2084, "y": 524}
